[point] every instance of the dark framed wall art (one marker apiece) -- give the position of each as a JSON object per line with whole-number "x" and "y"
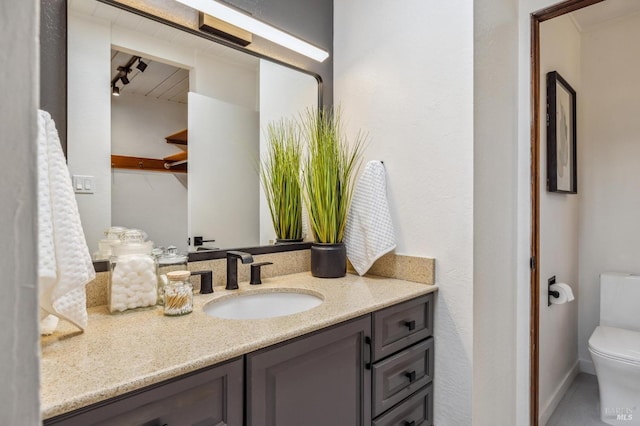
{"x": 561, "y": 136}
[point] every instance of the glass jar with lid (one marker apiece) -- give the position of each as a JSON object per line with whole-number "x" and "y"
{"x": 112, "y": 237}
{"x": 133, "y": 280}
{"x": 169, "y": 260}
{"x": 178, "y": 293}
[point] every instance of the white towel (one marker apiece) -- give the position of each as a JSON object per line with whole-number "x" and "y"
{"x": 369, "y": 231}
{"x": 64, "y": 262}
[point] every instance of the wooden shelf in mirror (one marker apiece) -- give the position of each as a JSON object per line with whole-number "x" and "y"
{"x": 147, "y": 164}
{"x": 178, "y": 138}
{"x": 180, "y": 156}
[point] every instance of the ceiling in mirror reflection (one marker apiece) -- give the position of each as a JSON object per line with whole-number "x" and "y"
{"x": 158, "y": 80}
{"x": 219, "y": 198}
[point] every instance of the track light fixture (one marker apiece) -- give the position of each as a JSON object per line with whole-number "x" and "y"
{"x": 141, "y": 65}
{"x": 123, "y": 72}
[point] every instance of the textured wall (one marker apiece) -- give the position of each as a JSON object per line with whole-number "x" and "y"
{"x": 559, "y": 51}
{"x": 494, "y": 207}
{"x": 19, "y": 339}
{"x": 409, "y": 84}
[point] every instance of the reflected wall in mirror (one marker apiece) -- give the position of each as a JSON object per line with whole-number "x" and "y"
{"x": 221, "y": 96}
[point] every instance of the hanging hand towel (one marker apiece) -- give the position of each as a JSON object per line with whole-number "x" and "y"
{"x": 64, "y": 262}
{"x": 369, "y": 231}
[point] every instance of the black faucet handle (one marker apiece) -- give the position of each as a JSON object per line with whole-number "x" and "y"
{"x": 255, "y": 272}
{"x": 206, "y": 281}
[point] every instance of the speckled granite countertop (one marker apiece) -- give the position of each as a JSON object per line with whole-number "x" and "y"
{"x": 124, "y": 352}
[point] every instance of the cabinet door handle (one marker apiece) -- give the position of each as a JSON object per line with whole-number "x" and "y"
{"x": 367, "y": 352}
{"x": 411, "y": 376}
{"x": 411, "y": 423}
{"x": 411, "y": 325}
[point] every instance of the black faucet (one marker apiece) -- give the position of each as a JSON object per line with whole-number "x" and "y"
{"x": 232, "y": 267}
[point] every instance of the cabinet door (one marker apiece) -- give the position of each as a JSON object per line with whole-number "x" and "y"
{"x": 212, "y": 396}
{"x": 315, "y": 380}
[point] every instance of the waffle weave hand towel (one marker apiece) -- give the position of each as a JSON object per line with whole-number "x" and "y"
{"x": 369, "y": 232}
{"x": 64, "y": 262}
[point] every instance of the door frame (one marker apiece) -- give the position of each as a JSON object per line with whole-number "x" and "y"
{"x": 538, "y": 17}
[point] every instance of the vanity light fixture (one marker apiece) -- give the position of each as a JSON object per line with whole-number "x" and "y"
{"x": 238, "y": 19}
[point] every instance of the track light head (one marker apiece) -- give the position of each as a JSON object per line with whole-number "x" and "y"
{"x": 115, "y": 91}
{"x": 141, "y": 65}
{"x": 124, "y": 79}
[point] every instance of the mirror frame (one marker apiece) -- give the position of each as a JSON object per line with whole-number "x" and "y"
{"x": 53, "y": 85}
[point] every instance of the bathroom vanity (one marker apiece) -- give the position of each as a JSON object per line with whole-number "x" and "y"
{"x": 364, "y": 356}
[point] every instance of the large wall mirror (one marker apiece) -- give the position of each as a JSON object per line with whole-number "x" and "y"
{"x": 176, "y": 153}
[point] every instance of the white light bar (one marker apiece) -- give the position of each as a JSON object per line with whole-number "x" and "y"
{"x": 240, "y": 20}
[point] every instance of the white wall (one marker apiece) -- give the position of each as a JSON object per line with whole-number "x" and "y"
{"x": 223, "y": 178}
{"x": 494, "y": 259}
{"x": 226, "y": 81}
{"x": 148, "y": 200}
{"x": 89, "y": 119}
{"x": 19, "y": 339}
{"x": 609, "y": 168}
{"x": 559, "y": 51}
{"x": 284, "y": 93}
{"x": 409, "y": 83}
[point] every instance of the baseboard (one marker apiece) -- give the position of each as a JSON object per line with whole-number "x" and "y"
{"x": 546, "y": 413}
{"x": 586, "y": 366}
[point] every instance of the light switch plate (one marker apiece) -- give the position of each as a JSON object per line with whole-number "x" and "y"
{"x": 83, "y": 184}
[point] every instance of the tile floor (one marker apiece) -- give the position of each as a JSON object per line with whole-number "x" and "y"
{"x": 580, "y": 406}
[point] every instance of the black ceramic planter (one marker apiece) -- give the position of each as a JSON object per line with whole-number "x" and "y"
{"x": 328, "y": 260}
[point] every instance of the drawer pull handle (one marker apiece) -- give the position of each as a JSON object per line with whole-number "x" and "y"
{"x": 411, "y": 423}
{"x": 411, "y": 376}
{"x": 411, "y": 325}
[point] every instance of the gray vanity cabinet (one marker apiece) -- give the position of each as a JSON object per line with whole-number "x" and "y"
{"x": 211, "y": 396}
{"x": 320, "y": 379}
{"x": 374, "y": 370}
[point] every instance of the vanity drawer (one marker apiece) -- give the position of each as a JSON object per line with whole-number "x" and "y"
{"x": 417, "y": 410}
{"x": 400, "y": 375}
{"x": 400, "y": 326}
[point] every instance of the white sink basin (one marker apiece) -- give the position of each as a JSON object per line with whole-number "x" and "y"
{"x": 262, "y": 305}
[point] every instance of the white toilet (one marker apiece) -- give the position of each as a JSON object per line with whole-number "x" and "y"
{"x": 615, "y": 349}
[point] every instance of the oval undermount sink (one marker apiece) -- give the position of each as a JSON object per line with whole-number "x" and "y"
{"x": 262, "y": 305}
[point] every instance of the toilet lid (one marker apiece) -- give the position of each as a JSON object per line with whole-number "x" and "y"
{"x": 616, "y": 343}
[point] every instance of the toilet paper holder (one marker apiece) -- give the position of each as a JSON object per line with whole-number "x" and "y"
{"x": 552, "y": 293}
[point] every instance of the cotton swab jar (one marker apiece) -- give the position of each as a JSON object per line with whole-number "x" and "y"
{"x": 178, "y": 293}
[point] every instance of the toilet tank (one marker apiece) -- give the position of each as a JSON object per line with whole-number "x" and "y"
{"x": 620, "y": 300}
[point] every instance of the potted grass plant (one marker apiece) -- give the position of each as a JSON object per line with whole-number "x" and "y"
{"x": 329, "y": 172}
{"x": 280, "y": 176}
